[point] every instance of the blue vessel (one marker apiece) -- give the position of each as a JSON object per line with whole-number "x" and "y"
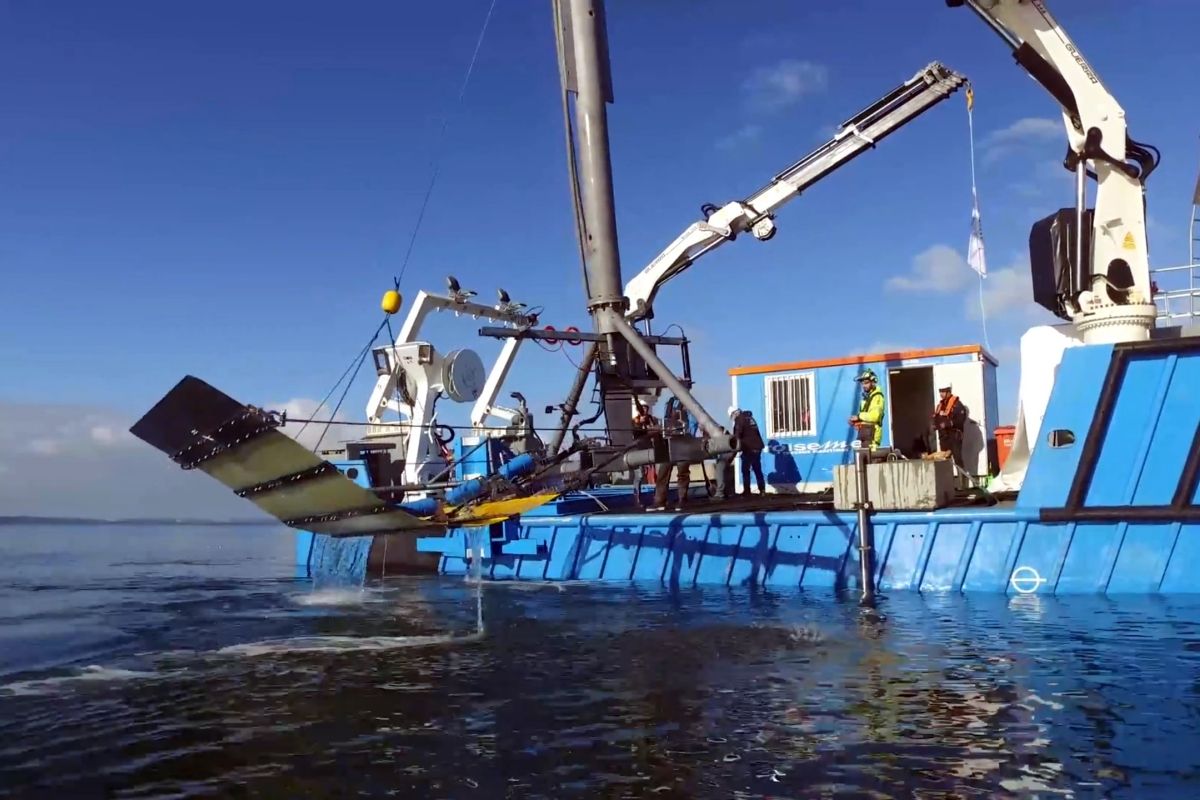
{"x": 1110, "y": 507}
{"x": 1099, "y": 494}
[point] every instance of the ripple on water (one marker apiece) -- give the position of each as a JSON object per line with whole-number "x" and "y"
{"x": 691, "y": 694}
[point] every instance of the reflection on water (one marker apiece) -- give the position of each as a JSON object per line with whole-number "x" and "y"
{"x": 206, "y": 680}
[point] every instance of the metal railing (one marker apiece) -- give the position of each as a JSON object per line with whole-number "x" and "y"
{"x": 1175, "y": 291}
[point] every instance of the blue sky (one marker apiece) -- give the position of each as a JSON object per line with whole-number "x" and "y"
{"x": 225, "y": 190}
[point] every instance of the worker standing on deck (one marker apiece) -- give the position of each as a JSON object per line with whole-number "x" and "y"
{"x": 676, "y": 422}
{"x": 869, "y": 419}
{"x": 750, "y": 443}
{"x": 645, "y": 429}
{"x": 949, "y": 419}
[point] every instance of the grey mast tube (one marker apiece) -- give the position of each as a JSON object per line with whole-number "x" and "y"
{"x": 571, "y": 407}
{"x": 588, "y": 61}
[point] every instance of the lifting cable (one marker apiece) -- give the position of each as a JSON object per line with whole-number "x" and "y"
{"x": 437, "y": 147}
{"x": 975, "y": 254}
{"x": 358, "y": 360}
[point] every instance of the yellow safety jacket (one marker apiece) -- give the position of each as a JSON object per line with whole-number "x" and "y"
{"x": 871, "y": 410}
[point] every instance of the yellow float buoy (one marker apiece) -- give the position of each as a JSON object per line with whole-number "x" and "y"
{"x": 391, "y": 301}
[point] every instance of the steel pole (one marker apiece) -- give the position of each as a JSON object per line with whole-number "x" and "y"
{"x": 599, "y": 224}
{"x": 571, "y": 407}
{"x": 719, "y": 440}
{"x": 866, "y": 534}
{"x": 1083, "y": 275}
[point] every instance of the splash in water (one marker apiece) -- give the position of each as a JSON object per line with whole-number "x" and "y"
{"x": 476, "y": 539}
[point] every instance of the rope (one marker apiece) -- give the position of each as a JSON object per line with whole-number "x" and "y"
{"x": 333, "y": 416}
{"x": 358, "y": 358}
{"x": 975, "y": 254}
{"x": 340, "y": 401}
{"x": 437, "y": 151}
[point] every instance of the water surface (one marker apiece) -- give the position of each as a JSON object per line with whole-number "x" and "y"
{"x": 189, "y": 662}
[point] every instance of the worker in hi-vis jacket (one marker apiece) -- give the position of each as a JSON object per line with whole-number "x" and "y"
{"x": 869, "y": 419}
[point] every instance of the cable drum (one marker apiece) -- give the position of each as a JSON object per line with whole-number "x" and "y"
{"x": 463, "y": 375}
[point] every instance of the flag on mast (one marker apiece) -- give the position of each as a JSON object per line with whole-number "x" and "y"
{"x": 975, "y": 255}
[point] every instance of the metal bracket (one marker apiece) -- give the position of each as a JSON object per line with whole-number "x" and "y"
{"x": 228, "y": 435}
{"x": 322, "y": 469}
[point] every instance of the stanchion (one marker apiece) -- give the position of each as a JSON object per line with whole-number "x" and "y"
{"x": 866, "y": 534}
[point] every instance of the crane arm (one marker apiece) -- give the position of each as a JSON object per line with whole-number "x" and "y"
{"x": 903, "y": 104}
{"x": 1098, "y": 145}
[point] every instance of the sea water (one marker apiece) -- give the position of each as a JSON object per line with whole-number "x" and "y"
{"x": 187, "y": 662}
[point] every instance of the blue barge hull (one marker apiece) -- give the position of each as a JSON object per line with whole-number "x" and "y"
{"x": 1108, "y": 505}
{"x": 968, "y": 550}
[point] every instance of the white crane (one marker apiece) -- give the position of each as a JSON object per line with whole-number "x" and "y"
{"x": 1100, "y": 281}
{"x": 412, "y": 374}
{"x": 756, "y": 213}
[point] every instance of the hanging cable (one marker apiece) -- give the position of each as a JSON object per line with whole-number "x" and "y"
{"x": 357, "y": 359}
{"x": 437, "y": 148}
{"x": 975, "y": 254}
{"x": 338, "y": 407}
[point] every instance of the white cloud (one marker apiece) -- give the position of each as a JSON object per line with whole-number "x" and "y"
{"x": 43, "y": 446}
{"x": 1020, "y": 134}
{"x": 1048, "y": 178}
{"x": 1008, "y": 354}
{"x": 742, "y": 137}
{"x": 81, "y": 461}
{"x": 940, "y": 268}
{"x": 783, "y": 84}
{"x": 1006, "y": 292}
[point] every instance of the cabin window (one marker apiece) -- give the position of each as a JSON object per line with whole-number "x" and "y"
{"x": 790, "y": 406}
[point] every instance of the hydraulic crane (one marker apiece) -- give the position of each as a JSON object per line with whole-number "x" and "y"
{"x": 1089, "y": 266}
{"x": 626, "y": 362}
{"x": 756, "y": 214}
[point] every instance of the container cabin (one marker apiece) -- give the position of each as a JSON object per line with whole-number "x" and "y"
{"x": 803, "y": 409}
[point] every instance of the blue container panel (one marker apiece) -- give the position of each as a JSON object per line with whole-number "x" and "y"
{"x": 304, "y": 545}
{"x": 687, "y": 554}
{"x": 1090, "y": 559}
{"x": 1130, "y": 433}
{"x": 947, "y": 550}
{"x": 901, "y": 567}
{"x": 791, "y": 546}
{"x": 1182, "y": 573}
{"x": 994, "y": 547}
{"x": 972, "y": 551}
{"x": 1169, "y": 449}
{"x": 827, "y": 558}
{"x": 593, "y": 552}
{"x": 1041, "y": 556}
{"x": 1142, "y": 561}
{"x": 551, "y": 563}
{"x": 884, "y": 533}
{"x": 653, "y": 550}
{"x": 754, "y": 552}
{"x": 1072, "y": 406}
{"x": 718, "y": 553}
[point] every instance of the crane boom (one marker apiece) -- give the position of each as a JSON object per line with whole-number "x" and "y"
{"x": 1090, "y": 266}
{"x": 925, "y": 89}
